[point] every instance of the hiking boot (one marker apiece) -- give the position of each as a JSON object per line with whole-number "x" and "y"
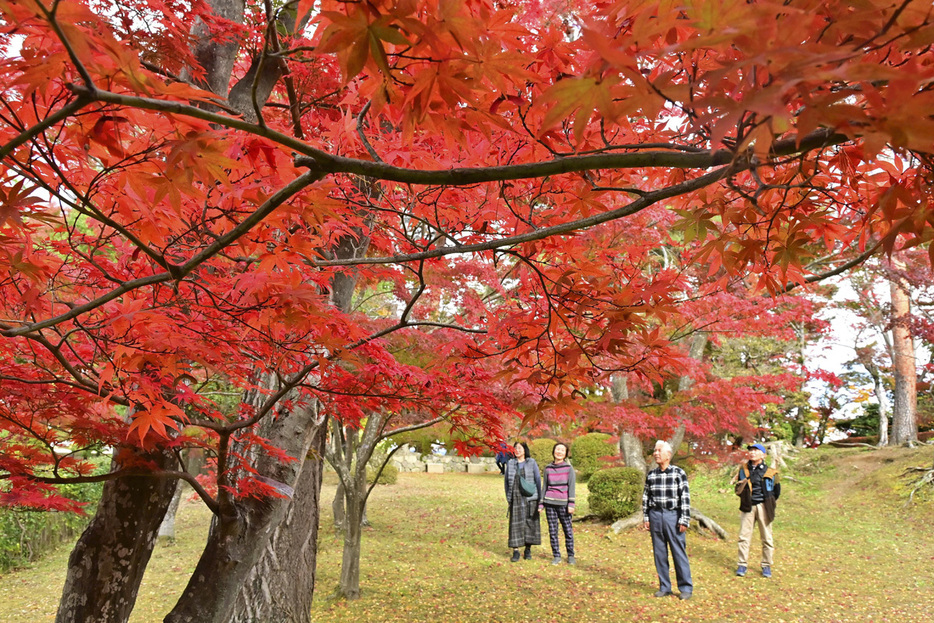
{"x": 556, "y": 560}
{"x": 741, "y": 570}
{"x": 684, "y": 596}
{"x": 528, "y": 553}
{"x": 766, "y": 572}
{"x": 660, "y": 593}
{"x": 515, "y": 556}
{"x": 571, "y": 560}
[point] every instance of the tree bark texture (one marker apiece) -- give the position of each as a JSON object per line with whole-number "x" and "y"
{"x": 696, "y": 352}
{"x": 240, "y": 533}
{"x": 349, "y": 586}
{"x": 107, "y": 563}
{"x": 630, "y": 446}
{"x": 337, "y": 507}
{"x": 904, "y": 422}
{"x": 217, "y": 59}
{"x": 280, "y": 586}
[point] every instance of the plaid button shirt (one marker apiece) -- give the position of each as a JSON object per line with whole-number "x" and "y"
{"x": 667, "y": 490}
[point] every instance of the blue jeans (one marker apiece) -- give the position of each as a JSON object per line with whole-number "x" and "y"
{"x": 663, "y": 524}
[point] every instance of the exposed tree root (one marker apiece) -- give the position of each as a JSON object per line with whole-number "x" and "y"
{"x": 703, "y": 521}
{"x": 927, "y": 479}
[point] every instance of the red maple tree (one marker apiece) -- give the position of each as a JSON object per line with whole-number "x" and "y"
{"x": 193, "y": 193}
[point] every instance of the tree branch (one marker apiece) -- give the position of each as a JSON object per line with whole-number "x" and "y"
{"x": 179, "y": 272}
{"x": 635, "y": 206}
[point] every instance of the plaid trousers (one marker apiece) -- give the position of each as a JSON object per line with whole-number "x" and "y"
{"x": 556, "y": 514}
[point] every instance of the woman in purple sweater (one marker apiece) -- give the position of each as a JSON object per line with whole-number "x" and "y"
{"x": 557, "y": 499}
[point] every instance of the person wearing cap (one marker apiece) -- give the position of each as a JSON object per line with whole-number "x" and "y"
{"x": 666, "y": 512}
{"x": 758, "y": 490}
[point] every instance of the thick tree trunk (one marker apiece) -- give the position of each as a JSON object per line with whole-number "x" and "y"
{"x": 217, "y": 58}
{"x": 630, "y": 446}
{"x": 677, "y": 437}
{"x": 239, "y": 536}
{"x": 107, "y": 563}
{"x": 280, "y": 586}
{"x": 904, "y": 422}
{"x": 698, "y": 344}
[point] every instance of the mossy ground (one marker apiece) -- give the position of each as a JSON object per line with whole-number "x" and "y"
{"x": 847, "y": 550}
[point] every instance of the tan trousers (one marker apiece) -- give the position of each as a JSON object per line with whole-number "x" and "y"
{"x": 746, "y": 523}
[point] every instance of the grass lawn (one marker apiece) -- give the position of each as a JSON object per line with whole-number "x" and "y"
{"x": 846, "y": 550}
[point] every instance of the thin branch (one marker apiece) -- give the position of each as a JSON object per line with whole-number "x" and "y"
{"x": 362, "y": 134}
{"x": 444, "y": 325}
{"x": 859, "y": 259}
{"x": 575, "y": 164}
{"x": 406, "y": 429}
{"x": 379, "y": 473}
{"x": 82, "y": 70}
{"x": 69, "y": 109}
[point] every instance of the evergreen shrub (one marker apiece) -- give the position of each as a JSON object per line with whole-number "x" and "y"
{"x": 615, "y": 492}
{"x": 586, "y": 452}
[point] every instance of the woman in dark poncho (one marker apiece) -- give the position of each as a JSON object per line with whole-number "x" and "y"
{"x": 524, "y": 525}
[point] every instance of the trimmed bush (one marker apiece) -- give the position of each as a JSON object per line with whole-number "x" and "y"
{"x": 540, "y": 449}
{"x": 615, "y": 492}
{"x": 389, "y": 476}
{"x": 586, "y": 452}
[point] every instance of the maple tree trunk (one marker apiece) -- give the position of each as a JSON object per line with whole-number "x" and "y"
{"x": 630, "y": 446}
{"x": 349, "y": 586}
{"x": 350, "y": 464}
{"x": 239, "y": 534}
{"x": 107, "y": 563}
{"x": 676, "y": 438}
{"x": 904, "y": 423}
{"x": 337, "y": 507}
{"x": 280, "y": 586}
{"x": 698, "y": 344}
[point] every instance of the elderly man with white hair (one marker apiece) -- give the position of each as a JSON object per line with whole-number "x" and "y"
{"x": 666, "y": 512}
